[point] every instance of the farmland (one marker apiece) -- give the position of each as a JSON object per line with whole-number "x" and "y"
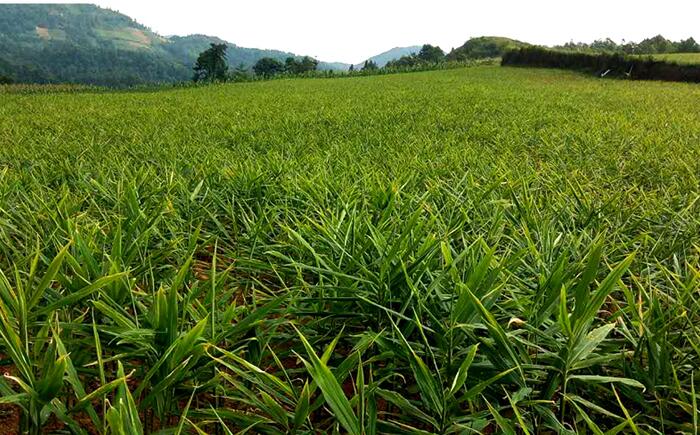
{"x": 682, "y": 58}
{"x": 479, "y": 250}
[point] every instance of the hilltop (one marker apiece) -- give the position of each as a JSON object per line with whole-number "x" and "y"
{"x": 485, "y": 47}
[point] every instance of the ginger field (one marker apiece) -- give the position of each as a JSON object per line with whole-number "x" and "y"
{"x": 480, "y": 250}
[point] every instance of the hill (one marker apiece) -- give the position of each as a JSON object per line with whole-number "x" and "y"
{"x": 82, "y": 44}
{"x": 484, "y": 47}
{"x": 49, "y": 43}
{"x": 393, "y": 54}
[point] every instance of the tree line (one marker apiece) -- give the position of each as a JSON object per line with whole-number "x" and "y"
{"x": 211, "y": 66}
{"x": 655, "y": 45}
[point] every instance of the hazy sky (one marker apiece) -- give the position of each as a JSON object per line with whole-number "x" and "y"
{"x": 352, "y": 30}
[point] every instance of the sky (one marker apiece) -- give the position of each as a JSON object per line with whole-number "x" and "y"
{"x": 353, "y": 30}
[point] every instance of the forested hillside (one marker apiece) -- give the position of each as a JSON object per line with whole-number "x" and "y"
{"x": 57, "y": 43}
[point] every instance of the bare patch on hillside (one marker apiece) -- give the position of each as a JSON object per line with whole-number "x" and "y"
{"x": 42, "y": 32}
{"x": 139, "y": 37}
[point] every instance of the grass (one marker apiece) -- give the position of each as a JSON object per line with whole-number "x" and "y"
{"x": 465, "y": 251}
{"x": 682, "y": 58}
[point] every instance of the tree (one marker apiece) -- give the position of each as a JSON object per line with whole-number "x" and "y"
{"x": 268, "y": 67}
{"x": 211, "y": 64}
{"x": 657, "y": 44}
{"x": 604, "y": 45}
{"x": 370, "y": 65}
{"x": 352, "y": 68}
{"x": 308, "y": 64}
{"x": 431, "y": 54}
{"x": 404, "y": 62}
{"x": 688, "y": 46}
{"x": 4, "y": 80}
{"x": 301, "y": 66}
{"x": 291, "y": 65}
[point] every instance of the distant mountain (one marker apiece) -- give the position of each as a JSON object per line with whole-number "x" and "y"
{"x": 79, "y": 43}
{"x": 333, "y": 66}
{"x": 393, "y": 54}
{"x": 484, "y": 47}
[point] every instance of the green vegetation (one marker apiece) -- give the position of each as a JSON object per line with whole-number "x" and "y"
{"x": 681, "y": 58}
{"x": 301, "y": 66}
{"x": 483, "y": 250}
{"x": 484, "y": 47}
{"x": 268, "y": 67}
{"x": 604, "y": 64}
{"x": 431, "y": 54}
{"x": 211, "y": 64}
{"x": 656, "y": 45}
